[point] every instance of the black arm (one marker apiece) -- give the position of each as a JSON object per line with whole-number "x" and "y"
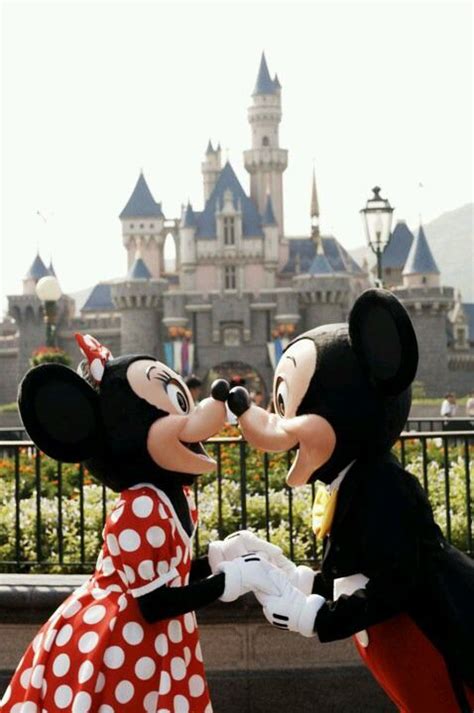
{"x": 200, "y": 569}
{"x": 168, "y": 602}
{"x": 322, "y": 586}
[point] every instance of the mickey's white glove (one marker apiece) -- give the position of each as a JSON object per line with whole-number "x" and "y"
{"x": 290, "y": 609}
{"x": 302, "y": 578}
{"x": 245, "y": 574}
{"x": 241, "y": 543}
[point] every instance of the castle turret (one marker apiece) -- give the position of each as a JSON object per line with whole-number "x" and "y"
{"x": 37, "y": 270}
{"x": 420, "y": 268}
{"x": 271, "y": 244}
{"x": 187, "y": 240}
{"x": 314, "y": 210}
{"x": 143, "y": 228}
{"x": 211, "y": 167}
{"x": 266, "y": 161}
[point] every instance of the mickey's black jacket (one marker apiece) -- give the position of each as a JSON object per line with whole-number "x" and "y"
{"x": 384, "y": 528}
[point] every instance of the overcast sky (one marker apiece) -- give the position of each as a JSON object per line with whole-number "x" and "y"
{"x": 374, "y": 93}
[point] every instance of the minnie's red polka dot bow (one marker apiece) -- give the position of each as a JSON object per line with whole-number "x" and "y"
{"x": 96, "y": 354}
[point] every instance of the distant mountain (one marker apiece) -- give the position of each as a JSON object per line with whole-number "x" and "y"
{"x": 451, "y": 239}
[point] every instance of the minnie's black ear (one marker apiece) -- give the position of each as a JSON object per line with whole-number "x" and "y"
{"x": 384, "y": 340}
{"x": 60, "y": 412}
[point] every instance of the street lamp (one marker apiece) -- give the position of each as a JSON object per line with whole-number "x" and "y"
{"x": 49, "y": 292}
{"x": 377, "y": 218}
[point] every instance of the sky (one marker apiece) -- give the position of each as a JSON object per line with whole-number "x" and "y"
{"x": 372, "y": 94}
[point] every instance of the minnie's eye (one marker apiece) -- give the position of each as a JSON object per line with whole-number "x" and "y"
{"x": 281, "y": 397}
{"x": 177, "y": 397}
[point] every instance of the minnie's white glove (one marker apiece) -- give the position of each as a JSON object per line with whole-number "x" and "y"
{"x": 290, "y": 609}
{"x": 241, "y": 543}
{"x": 245, "y": 574}
{"x": 302, "y": 578}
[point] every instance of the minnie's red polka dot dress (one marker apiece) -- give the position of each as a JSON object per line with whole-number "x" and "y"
{"x": 97, "y": 653}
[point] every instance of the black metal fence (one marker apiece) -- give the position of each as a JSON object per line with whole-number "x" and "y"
{"x": 439, "y": 423}
{"x": 52, "y": 514}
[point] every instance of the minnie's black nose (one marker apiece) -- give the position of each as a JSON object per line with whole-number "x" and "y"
{"x": 220, "y": 390}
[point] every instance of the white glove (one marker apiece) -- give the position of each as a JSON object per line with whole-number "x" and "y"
{"x": 245, "y": 574}
{"x": 290, "y": 609}
{"x": 241, "y": 543}
{"x": 302, "y": 578}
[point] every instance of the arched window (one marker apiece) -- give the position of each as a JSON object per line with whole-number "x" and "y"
{"x": 265, "y": 141}
{"x": 229, "y": 231}
{"x": 169, "y": 254}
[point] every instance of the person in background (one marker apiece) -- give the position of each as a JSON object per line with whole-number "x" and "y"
{"x": 194, "y": 384}
{"x": 259, "y": 399}
{"x": 448, "y": 407}
{"x": 470, "y": 405}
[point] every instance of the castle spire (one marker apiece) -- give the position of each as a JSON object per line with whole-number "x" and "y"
{"x": 314, "y": 211}
{"x": 265, "y": 84}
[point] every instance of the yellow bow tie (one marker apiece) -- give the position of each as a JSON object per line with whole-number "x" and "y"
{"x": 324, "y": 507}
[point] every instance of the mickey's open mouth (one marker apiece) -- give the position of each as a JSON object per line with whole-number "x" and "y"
{"x": 197, "y": 448}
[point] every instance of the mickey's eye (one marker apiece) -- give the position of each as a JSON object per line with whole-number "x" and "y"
{"x": 281, "y": 396}
{"x": 177, "y": 397}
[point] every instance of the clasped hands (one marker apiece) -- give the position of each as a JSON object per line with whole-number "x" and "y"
{"x": 283, "y": 589}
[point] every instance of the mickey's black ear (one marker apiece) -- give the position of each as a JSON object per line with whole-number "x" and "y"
{"x": 60, "y": 412}
{"x": 384, "y": 340}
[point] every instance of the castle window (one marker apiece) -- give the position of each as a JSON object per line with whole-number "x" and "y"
{"x": 423, "y": 280}
{"x": 231, "y": 336}
{"x": 230, "y": 278}
{"x": 132, "y": 225}
{"x": 152, "y": 225}
{"x": 141, "y": 225}
{"x": 229, "y": 231}
{"x": 461, "y": 337}
{"x": 265, "y": 141}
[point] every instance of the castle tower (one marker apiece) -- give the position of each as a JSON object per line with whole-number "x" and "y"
{"x": 211, "y": 167}
{"x": 266, "y": 161}
{"x": 314, "y": 210}
{"x": 187, "y": 241}
{"x": 143, "y": 228}
{"x": 428, "y": 304}
{"x": 37, "y": 270}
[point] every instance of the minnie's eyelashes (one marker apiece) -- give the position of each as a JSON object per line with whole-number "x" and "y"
{"x": 164, "y": 377}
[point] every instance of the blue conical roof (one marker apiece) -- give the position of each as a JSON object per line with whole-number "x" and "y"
{"x": 265, "y": 84}
{"x": 141, "y": 203}
{"x": 189, "y": 219}
{"x": 100, "y": 299}
{"x": 210, "y": 148}
{"x": 139, "y": 270}
{"x": 396, "y": 253}
{"x": 51, "y": 269}
{"x": 420, "y": 260}
{"x": 37, "y": 270}
{"x": 268, "y": 217}
{"x": 320, "y": 264}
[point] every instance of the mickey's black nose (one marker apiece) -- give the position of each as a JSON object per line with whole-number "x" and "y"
{"x": 220, "y": 390}
{"x": 239, "y": 400}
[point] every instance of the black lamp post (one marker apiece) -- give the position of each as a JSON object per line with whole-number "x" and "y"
{"x": 49, "y": 292}
{"x": 377, "y": 219}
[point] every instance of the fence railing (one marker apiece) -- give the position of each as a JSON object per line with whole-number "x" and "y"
{"x": 440, "y": 423}
{"x": 52, "y": 514}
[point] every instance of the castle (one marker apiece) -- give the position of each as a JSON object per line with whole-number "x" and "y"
{"x": 240, "y": 288}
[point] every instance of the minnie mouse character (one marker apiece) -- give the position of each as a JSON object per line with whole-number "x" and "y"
{"x": 388, "y": 575}
{"x": 128, "y": 636}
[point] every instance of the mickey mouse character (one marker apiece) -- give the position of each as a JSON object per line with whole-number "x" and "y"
{"x": 128, "y": 636}
{"x": 388, "y": 576}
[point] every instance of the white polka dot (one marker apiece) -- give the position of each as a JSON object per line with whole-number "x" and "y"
{"x": 37, "y": 676}
{"x": 112, "y": 623}
{"x": 178, "y": 557}
{"x": 145, "y": 668}
{"x": 100, "y": 683}
{"x": 161, "y": 645}
{"x": 146, "y": 570}
{"x": 116, "y": 514}
{"x": 36, "y": 642}
{"x": 165, "y": 683}
{"x": 189, "y": 623}
{"x": 113, "y": 545}
{"x": 71, "y": 608}
{"x": 98, "y": 564}
{"x": 106, "y": 709}
{"x": 150, "y": 702}
{"x": 133, "y": 633}
{"x": 25, "y": 678}
{"x": 114, "y": 657}
{"x": 208, "y": 708}
{"x": 187, "y": 655}
{"x": 88, "y": 641}
{"x": 98, "y": 593}
{"x": 129, "y": 573}
{"x": 196, "y": 686}
{"x": 178, "y": 668}
{"x": 162, "y": 567}
{"x": 61, "y": 665}
{"x": 94, "y": 614}
{"x": 97, "y": 369}
{"x": 26, "y": 707}
{"x": 122, "y": 602}
{"x": 198, "y": 652}
{"x": 64, "y": 635}
{"x": 124, "y": 579}
{"x": 49, "y": 639}
{"x": 124, "y": 692}
{"x": 155, "y": 536}
{"x": 63, "y": 696}
{"x": 86, "y": 671}
{"x": 129, "y": 540}
{"x": 180, "y": 704}
{"x": 175, "y": 631}
{"x": 186, "y": 555}
{"x": 44, "y": 688}
{"x": 82, "y": 703}
{"x": 108, "y": 566}
{"x": 142, "y": 506}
